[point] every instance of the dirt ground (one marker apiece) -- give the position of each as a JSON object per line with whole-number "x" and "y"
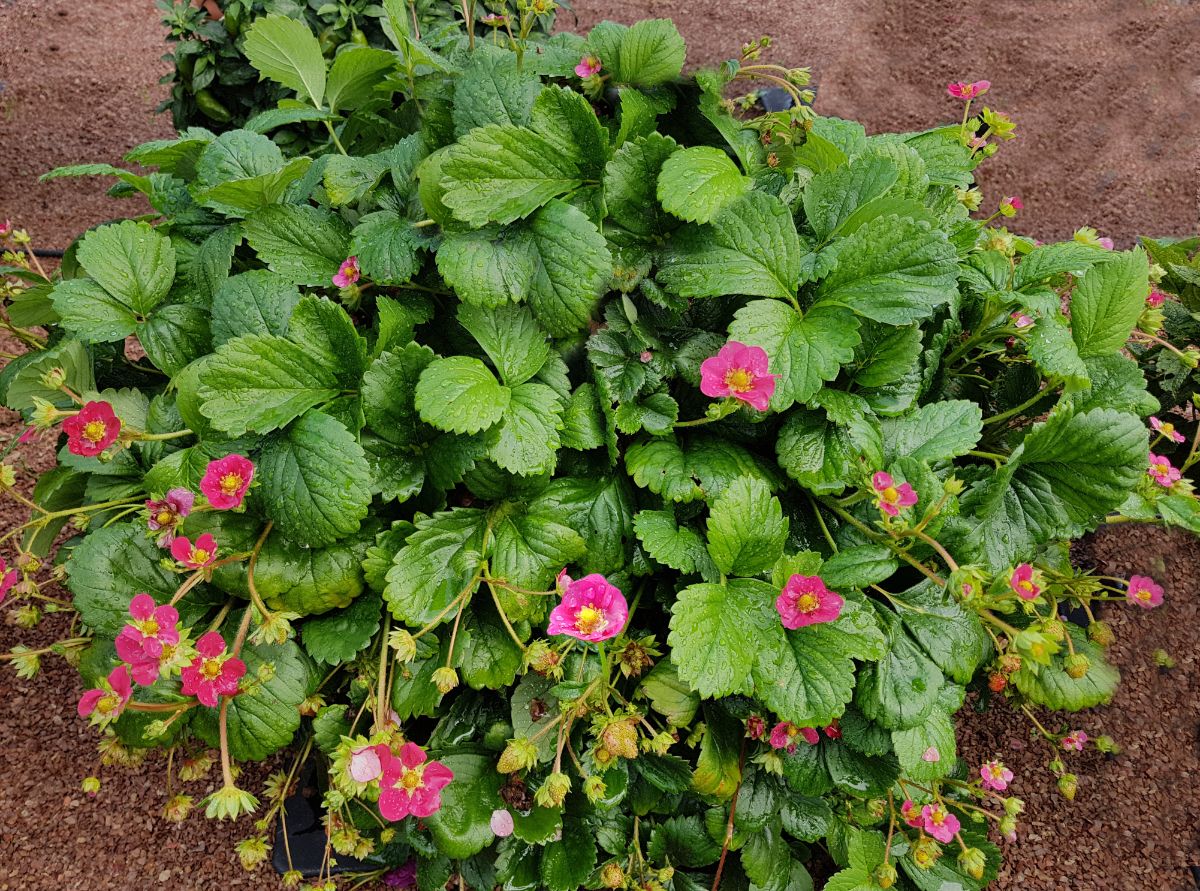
{"x": 1105, "y": 95}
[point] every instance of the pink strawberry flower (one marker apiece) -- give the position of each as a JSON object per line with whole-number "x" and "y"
{"x": 404, "y": 877}
{"x": 197, "y": 556}
{"x": 1156, "y": 299}
{"x": 1075, "y": 740}
{"x": 213, "y": 673}
{"x": 995, "y": 775}
{"x": 1105, "y": 242}
{"x": 833, "y": 731}
{"x": 589, "y": 66}
{"x": 226, "y": 481}
{"x": 143, "y": 641}
{"x": 348, "y": 273}
{"x": 92, "y": 429}
{"x": 1024, "y": 582}
{"x": 785, "y": 733}
{"x": 168, "y": 512}
{"x": 805, "y": 600}
{"x": 931, "y": 755}
{"x": 1162, "y": 471}
{"x": 8, "y": 578}
{"x": 365, "y": 764}
{"x": 106, "y": 702}
{"x": 592, "y": 609}
{"x": 410, "y": 783}
{"x": 939, "y": 822}
{"x": 964, "y": 90}
{"x": 1144, "y": 592}
{"x": 740, "y": 372}
{"x": 1010, "y": 205}
{"x": 562, "y": 581}
{"x": 6, "y": 229}
{"x": 976, "y": 143}
{"x": 910, "y": 811}
{"x": 1021, "y": 320}
{"x": 28, "y": 435}
{"x": 1166, "y": 429}
{"x": 892, "y": 498}
{"x": 494, "y": 19}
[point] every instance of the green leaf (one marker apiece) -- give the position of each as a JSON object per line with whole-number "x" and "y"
{"x": 650, "y": 52}
{"x": 255, "y": 302}
{"x": 830, "y": 198}
{"x": 571, "y": 268}
{"x": 488, "y": 658}
{"x": 894, "y": 270}
{"x": 526, "y": 440}
{"x": 698, "y": 467}
{"x": 262, "y": 720}
{"x": 327, "y": 333}
{"x": 1051, "y": 686}
{"x": 387, "y": 393}
{"x": 668, "y": 695}
{"x": 953, "y": 637}
{"x": 336, "y": 637}
{"x": 934, "y": 432}
{"x": 823, "y": 456}
{"x": 315, "y": 480}
{"x": 600, "y": 506}
{"x": 1107, "y": 303}
{"x": 805, "y": 350}
{"x": 746, "y": 528}
{"x": 501, "y": 173}
{"x": 304, "y": 244}
{"x": 488, "y": 267}
{"x": 175, "y": 335}
{"x": 284, "y": 50}
{"x": 567, "y": 119}
{"x": 1069, "y": 472}
{"x": 1054, "y": 352}
{"x": 859, "y": 567}
{"x": 806, "y": 676}
{"x": 304, "y": 580}
{"x": 90, "y": 313}
{"x": 26, "y": 383}
{"x": 493, "y": 89}
{"x": 683, "y": 841}
{"x": 583, "y": 426}
{"x": 913, "y": 746}
{"x": 717, "y": 632}
{"x": 751, "y": 247}
{"x": 901, "y": 689}
{"x": 719, "y": 766}
{"x": 696, "y": 183}
{"x": 348, "y": 178}
{"x": 239, "y": 197}
{"x": 434, "y": 565}
{"x": 386, "y": 246}
{"x": 236, "y": 155}
{"x": 1049, "y": 260}
{"x": 630, "y": 189}
{"x": 355, "y": 73}
{"x": 134, "y": 263}
{"x": 461, "y": 827}
{"x": 460, "y": 394}
{"x": 510, "y": 337}
{"x": 262, "y": 382}
{"x": 567, "y": 862}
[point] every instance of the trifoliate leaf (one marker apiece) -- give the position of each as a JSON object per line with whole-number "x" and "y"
{"x": 134, "y": 263}
{"x": 696, "y": 183}
{"x": 512, "y": 339}
{"x": 630, "y": 189}
{"x": 746, "y": 528}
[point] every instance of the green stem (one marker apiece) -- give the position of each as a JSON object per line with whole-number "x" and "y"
{"x": 333, "y": 134}
{"x": 1027, "y": 404}
{"x": 381, "y": 686}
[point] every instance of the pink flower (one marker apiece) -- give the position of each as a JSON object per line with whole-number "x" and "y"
{"x": 1076, "y": 740}
{"x": 404, "y": 877}
{"x": 226, "y": 481}
{"x": 784, "y": 734}
{"x": 92, "y": 429}
{"x": 589, "y": 66}
{"x": 1104, "y": 242}
{"x": 494, "y": 19}
{"x": 202, "y": 554}
{"x": 1168, "y": 430}
{"x": 756, "y": 727}
{"x": 892, "y": 498}
{"x": 911, "y": 812}
{"x": 805, "y": 600}
{"x": 963, "y": 90}
{"x": 168, "y": 512}
{"x": 365, "y": 765}
{"x": 1010, "y": 205}
{"x": 143, "y": 642}
{"x": 501, "y": 823}
{"x": 213, "y": 672}
{"x": 995, "y": 775}
{"x": 931, "y": 755}
{"x": 939, "y": 822}
{"x": 29, "y": 434}
{"x": 1024, "y": 582}
{"x": 562, "y": 581}
{"x": 976, "y": 143}
{"x": 1144, "y": 592}
{"x": 740, "y": 372}
{"x": 1162, "y": 472}
{"x": 8, "y": 578}
{"x": 348, "y": 273}
{"x": 410, "y": 784}
{"x": 833, "y": 731}
{"x": 592, "y": 609}
{"x": 6, "y": 229}
{"x": 107, "y": 701}
{"x": 1156, "y": 299}
{"x": 1021, "y": 320}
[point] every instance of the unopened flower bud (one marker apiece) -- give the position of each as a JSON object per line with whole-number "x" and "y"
{"x": 953, "y": 486}
{"x": 877, "y": 807}
{"x": 1191, "y": 357}
{"x": 45, "y": 414}
{"x": 553, "y": 791}
{"x": 54, "y": 379}
{"x": 925, "y": 852}
{"x": 313, "y": 704}
{"x": 404, "y": 644}
{"x": 1077, "y": 665}
{"x": 973, "y": 862}
{"x": 1056, "y": 766}
{"x": 755, "y": 727}
{"x": 197, "y": 767}
{"x": 885, "y": 875}
{"x": 1163, "y": 659}
{"x": 519, "y": 754}
{"x": 1013, "y": 806}
{"x": 659, "y": 743}
{"x": 543, "y": 660}
{"x": 1101, "y": 634}
{"x": 594, "y": 789}
{"x": 1008, "y": 827}
{"x": 611, "y": 875}
{"x": 666, "y": 874}
{"x": 445, "y": 679}
{"x": 1107, "y": 745}
{"x": 1067, "y": 784}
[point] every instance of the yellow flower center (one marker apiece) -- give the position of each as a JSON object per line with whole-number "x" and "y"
{"x": 1142, "y": 594}
{"x": 739, "y": 380}
{"x": 411, "y": 780}
{"x": 149, "y": 627}
{"x": 165, "y": 517}
{"x": 199, "y": 555}
{"x": 93, "y": 431}
{"x": 1166, "y": 429}
{"x": 589, "y": 620}
{"x": 890, "y": 495}
{"x": 108, "y": 704}
{"x": 806, "y": 603}
{"x": 231, "y": 482}
{"x": 1025, "y": 585}
{"x": 211, "y": 669}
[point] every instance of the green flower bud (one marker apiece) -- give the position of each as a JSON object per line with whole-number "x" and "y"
{"x": 445, "y": 679}
{"x": 1107, "y": 745}
{"x": 925, "y": 852}
{"x": 973, "y": 862}
{"x": 54, "y": 379}
{"x": 1008, "y": 826}
{"x": 229, "y": 803}
{"x": 519, "y": 754}
{"x": 1013, "y": 806}
{"x": 594, "y": 789}
{"x": 178, "y": 808}
{"x": 885, "y": 875}
{"x": 252, "y": 852}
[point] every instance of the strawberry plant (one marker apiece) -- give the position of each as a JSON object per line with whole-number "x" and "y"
{"x": 611, "y": 485}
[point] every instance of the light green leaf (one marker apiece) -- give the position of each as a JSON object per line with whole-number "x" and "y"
{"x": 526, "y": 440}
{"x": 460, "y": 394}
{"x": 1051, "y": 686}
{"x": 630, "y": 189}
{"x": 694, "y": 468}
{"x": 284, "y": 50}
{"x": 650, "y": 52}
{"x": 493, "y": 89}
{"x": 746, "y": 528}
{"x": 696, "y": 183}
{"x": 175, "y": 336}
{"x": 1107, "y": 303}
{"x": 90, "y": 312}
{"x": 830, "y": 198}
{"x": 1054, "y": 352}
{"x": 254, "y": 302}
{"x": 304, "y": 244}
{"x": 567, "y": 119}
{"x": 131, "y": 261}
{"x": 717, "y": 632}
{"x": 1048, "y": 260}
{"x": 934, "y": 432}
{"x": 511, "y": 338}
{"x": 355, "y": 73}
{"x": 434, "y": 565}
